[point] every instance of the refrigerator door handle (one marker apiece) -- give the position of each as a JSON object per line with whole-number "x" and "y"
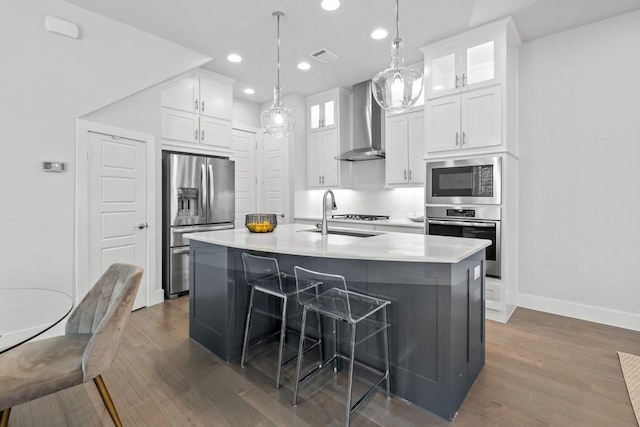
{"x": 197, "y": 229}
{"x": 211, "y": 190}
{"x": 203, "y": 192}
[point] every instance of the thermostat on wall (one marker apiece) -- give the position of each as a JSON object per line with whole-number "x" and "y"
{"x": 53, "y": 166}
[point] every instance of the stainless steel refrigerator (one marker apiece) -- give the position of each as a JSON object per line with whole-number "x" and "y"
{"x": 198, "y": 194}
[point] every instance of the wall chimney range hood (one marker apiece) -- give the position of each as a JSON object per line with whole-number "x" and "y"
{"x": 368, "y": 126}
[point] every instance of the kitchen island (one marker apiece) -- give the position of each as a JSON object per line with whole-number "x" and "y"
{"x": 435, "y": 285}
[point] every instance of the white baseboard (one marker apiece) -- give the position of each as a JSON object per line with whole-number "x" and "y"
{"x": 500, "y": 315}
{"x": 606, "y": 316}
{"x": 157, "y": 297}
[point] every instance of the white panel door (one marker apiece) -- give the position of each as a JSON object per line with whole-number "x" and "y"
{"x": 442, "y": 125}
{"x": 314, "y": 159}
{"x": 417, "y": 167}
{"x": 273, "y": 188}
{"x": 481, "y": 118}
{"x": 179, "y": 126}
{"x": 183, "y": 96}
{"x": 330, "y": 166}
{"x": 215, "y": 132}
{"x": 117, "y": 206}
{"x": 244, "y": 154}
{"x": 396, "y": 150}
{"x": 215, "y": 99}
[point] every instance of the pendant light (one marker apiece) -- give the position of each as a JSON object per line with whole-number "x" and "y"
{"x": 278, "y": 120}
{"x": 397, "y": 88}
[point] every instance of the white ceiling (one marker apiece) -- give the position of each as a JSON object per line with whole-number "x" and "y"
{"x": 246, "y": 27}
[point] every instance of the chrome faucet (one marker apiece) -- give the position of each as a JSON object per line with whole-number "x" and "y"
{"x": 324, "y": 228}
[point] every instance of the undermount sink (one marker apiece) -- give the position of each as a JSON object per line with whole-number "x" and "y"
{"x": 352, "y": 233}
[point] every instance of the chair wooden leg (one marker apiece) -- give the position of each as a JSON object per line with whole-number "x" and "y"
{"x": 4, "y": 417}
{"x": 106, "y": 398}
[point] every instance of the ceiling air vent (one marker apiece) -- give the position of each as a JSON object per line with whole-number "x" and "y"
{"x": 323, "y": 56}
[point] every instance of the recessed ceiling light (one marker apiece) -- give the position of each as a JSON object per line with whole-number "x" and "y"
{"x": 330, "y": 5}
{"x": 304, "y": 66}
{"x": 234, "y": 57}
{"x": 249, "y": 91}
{"x": 379, "y": 34}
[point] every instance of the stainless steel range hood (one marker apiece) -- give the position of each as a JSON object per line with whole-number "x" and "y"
{"x": 368, "y": 126}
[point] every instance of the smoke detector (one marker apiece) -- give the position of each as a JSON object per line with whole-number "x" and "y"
{"x": 323, "y": 56}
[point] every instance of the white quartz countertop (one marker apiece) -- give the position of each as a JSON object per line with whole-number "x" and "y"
{"x": 385, "y": 246}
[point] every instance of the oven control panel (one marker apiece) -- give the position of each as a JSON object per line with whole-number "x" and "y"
{"x": 466, "y": 213}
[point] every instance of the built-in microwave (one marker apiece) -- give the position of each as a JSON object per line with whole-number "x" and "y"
{"x": 469, "y": 181}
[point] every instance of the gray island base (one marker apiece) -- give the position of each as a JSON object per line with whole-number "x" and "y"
{"x": 436, "y": 316}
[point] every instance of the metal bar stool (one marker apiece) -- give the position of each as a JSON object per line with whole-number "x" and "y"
{"x": 263, "y": 274}
{"x": 352, "y": 308}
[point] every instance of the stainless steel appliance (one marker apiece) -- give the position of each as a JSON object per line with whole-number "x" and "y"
{"x": 469, "y": 181}
{"x": 198, "y": 194}
{"x": 368, "y": 126}
{"x": 478, "y": 222}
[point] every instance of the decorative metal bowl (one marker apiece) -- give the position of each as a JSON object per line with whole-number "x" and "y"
{"x": 261, "y": 222}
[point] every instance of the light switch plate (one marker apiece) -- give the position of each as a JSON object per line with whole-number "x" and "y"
{"x": 53, "y": 166}
{"x": 476, "y": 272}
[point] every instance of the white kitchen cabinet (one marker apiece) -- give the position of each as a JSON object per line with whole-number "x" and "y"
{"x": 469, "y": 120}
{"x": 462, "y": 65}
{"x": 471, "y": 92}
{"x": 196, "y": 113}
{"x": 465, "y": 62}
{"x": 180, "y": 126}
{"x": 404, "y": 164}
{"x": 182, "y": 96}
{"x": 322, "y": 167}
{"x": 322, "y": 110}
{"x": 328, "y": 131}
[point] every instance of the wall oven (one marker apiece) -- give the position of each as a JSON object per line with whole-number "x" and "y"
{"x": 468, "y": 181}
{"x": 478, "y": 222}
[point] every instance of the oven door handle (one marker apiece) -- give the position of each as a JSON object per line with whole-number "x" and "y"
{"x": 463, "y": 223}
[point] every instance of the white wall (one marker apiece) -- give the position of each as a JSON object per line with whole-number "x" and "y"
{"x": 580, "y": 172}
{"x": 46, "y": 82}
{"x": 246, "y": 113}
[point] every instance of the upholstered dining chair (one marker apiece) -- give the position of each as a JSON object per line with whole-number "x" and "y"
{"x": 87, "y": 348}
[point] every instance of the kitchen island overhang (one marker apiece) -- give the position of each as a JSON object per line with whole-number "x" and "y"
{"x": 435, "y": 285}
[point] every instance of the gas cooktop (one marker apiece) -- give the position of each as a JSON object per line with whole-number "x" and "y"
{"x": 360, "y": 217}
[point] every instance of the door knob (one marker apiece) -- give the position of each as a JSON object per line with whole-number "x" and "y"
{"x": 143, "y": 225}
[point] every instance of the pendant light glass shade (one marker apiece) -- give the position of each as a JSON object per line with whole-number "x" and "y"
{"x": 278, "y": 120}
{"x": 397, "y": 88}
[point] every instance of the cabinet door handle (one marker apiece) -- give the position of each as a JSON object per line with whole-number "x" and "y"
{"x": 464, "y": 138}
{"x": 410, "y": 175}
{"x": 319, "y": 179}
{"x": 464, "y": 79}
{"x": 202, "y": 106}
{"x": 195, "y": 134}
{"x": 457, "y": 139}
{"x": 405, "y": 174}
{"x": 202, "y": 135}
{"x": 195, "y": 105}
{"x": 323, "y": 179}
{"x": 457, "y": 82}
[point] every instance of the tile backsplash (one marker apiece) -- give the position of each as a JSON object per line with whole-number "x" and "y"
{"x": 366, "y": 196}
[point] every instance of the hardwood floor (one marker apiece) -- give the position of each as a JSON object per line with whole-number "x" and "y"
{"x": 541, "y": 369}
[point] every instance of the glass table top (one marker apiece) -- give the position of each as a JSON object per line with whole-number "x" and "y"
{"x": 28, "y": 312}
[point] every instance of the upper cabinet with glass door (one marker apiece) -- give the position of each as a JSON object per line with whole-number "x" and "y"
{"x": 322, "y": 110}
{"x": 468, "y": 61}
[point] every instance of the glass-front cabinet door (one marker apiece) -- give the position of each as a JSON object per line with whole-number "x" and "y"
{"x": 466, "y": 64}
{"x": 443, "y": 75}
{"x": 322, "y": 113}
